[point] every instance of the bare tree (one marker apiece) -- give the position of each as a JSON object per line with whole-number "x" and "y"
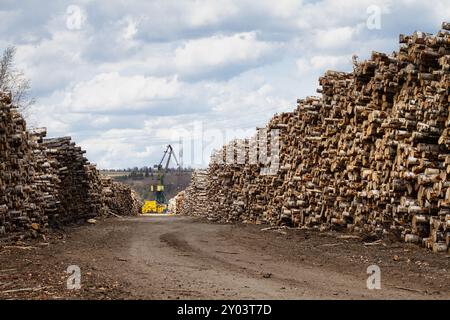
{"x": 13, "y": 80}
{"x": 355, "y": 61}
{"x": 6, "y": 65}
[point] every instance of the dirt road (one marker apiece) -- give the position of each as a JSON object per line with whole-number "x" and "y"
{"x": 189, "y": 258}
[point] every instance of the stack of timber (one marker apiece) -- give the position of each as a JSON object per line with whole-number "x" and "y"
{"x": 119, "y": 199}
{"x": 195, "y": 192}
{"x": 175, "y": 204}
{"x": 21, "y": 203}
{"x": 80, "y": 186}
{"x": 47, "y": 179}
{"x": 371, "y": 154}
{"x": 46, "y": 182}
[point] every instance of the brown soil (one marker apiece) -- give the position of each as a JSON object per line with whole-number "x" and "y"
{"x": 189, "y": 258}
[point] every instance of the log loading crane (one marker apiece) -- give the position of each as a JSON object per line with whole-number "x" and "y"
{"x": 159, "y": 204}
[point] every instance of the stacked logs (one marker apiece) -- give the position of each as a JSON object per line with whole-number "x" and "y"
{"x": 175, "y": 204}
{"x": 21, "y": 203}
{"x": 119, "y": 199}
{"x": 371, "y": 154}
{"x": 195, "y": 193}
{"x": 46, "y": 179}
{"x": 80, "y": 186}
{"x": 49, "y": 181}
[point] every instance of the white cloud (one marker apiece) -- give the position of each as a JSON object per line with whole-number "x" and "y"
{"x": 258, "y": 104}
{"x": 108, "y": 152}
{"x": 284, "y": 8}
{"x": 219, "y": 51}
{"x": 113, "y": 92}
{"x": 130, "y": 28}
{"x": 322, "y": 63}
{"x": 54, "y": 62}
{"x": 334, "y": 37}
{"x": 206, "y": 12}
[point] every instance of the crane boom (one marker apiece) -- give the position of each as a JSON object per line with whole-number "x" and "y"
{"x": 169, "y": 150}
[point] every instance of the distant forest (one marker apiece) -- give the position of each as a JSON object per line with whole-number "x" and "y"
{"x": 140, "y": 179}
{"x": 140, "y": 173}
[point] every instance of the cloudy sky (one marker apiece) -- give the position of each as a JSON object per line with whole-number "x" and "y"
{"x": 125, "y": 78}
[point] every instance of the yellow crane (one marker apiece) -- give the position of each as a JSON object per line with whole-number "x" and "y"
{"x": 159, "y": 204}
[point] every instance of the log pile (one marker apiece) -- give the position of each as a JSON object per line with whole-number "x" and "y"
{"x": 49, "y": 181}
{"x": 370, "y": 154}
{"x": 196, "y": 192}
{"x": 21, "y": 203}
{"x": 119, "y": 199}
{"x": 176, "y": 203}
{"x": 79, "y": 191}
